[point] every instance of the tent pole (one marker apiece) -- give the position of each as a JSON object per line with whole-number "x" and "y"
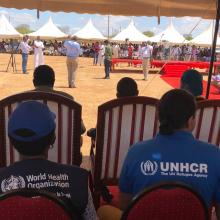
{"x": 108, "y": 26}
{"x": 213, "y": 48}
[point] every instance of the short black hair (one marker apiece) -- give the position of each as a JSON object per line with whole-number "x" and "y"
{"x": 127, "y": 87}
{"x": 175, "y": 108}
{"x": 44, "y": 76}
{"x": 191, "y": 81}
{"x": 33, "y": 148}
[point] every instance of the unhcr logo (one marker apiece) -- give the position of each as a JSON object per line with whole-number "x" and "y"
{"x": 149, "y": 168}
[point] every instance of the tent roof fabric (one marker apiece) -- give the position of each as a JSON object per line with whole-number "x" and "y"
{"x": 177, "y": 8}
{"x": 206, "y": 37}
{"x": 170, "y": 34}
{"x": 131, "y": 33}
{"x": 48, "y": 31}
{"x": 89, "y": 32}
{"x": 7, "y": 30}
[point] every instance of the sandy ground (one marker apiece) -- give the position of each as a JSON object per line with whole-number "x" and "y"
{"x": 92, "y": 90}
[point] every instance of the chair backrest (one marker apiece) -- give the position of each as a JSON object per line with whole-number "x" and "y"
{"x": 208, "y": 121}
{"x": 120, "y": 124}
{"x": 68, "y": 123}
{"x": 26, "y": 204}
{"x": 167, "y": 201}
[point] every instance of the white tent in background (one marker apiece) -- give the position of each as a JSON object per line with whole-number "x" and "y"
{"x": 7, "y": 30}
{"x": 170, "y": 34}
{"x": 131, "y": 33}
{"x": 48, "y": 31}
{"x": 89, "y": 32}
{"x": 206, "y": 37}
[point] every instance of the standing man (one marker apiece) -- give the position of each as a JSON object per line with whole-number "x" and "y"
{"x": 96, "y": 49}
{"x": 101, "y": 53}
{"x": 146, "y": 54}
{"x": 72, "y": 53}
{"x": 38, "y": 52}
{"x": 108, "y": 58}
{"x": 25, "y": 49}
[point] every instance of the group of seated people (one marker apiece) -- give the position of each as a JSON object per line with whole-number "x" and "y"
{"x": 31, "y": 130}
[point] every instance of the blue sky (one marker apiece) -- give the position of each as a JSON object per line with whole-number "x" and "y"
{"x": 76, "y": 21}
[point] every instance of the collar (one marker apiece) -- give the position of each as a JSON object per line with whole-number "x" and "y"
{"x": 177, "y": 135}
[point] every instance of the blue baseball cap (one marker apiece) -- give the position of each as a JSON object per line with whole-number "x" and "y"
{"x": 33, "y": 116}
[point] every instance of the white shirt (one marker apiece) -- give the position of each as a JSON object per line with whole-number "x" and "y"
{"x": 146, "y": 51}
{"x": 73, "y": 49}
{"x": 24, "y": 47}
{"x": 39, "y": 46}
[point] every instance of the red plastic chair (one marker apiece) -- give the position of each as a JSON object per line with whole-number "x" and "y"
{"x": 28, "y": 204}
{"x": 120, "y": 124}
{"x": 167, "y": 201}
{"x": 68, "y": 120}
{"x": 208, "y": 121}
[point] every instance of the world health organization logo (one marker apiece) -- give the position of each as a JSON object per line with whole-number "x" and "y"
{"x": 149, "y": 168}
{"x": 13, "y": 182}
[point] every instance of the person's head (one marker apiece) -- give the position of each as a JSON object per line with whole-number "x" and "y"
{"x": 74, "y": 38}
{"x": 126, "y": 87}
{"x": 176, "y": 111}
{"x": 191, "y": 81}
{"x": 38, "y": 38}
{"x": 106, "y": 42}
{"x": 43, "y": 76}
{"x": 24, "y": 38}
{"x": 31, "y": 129}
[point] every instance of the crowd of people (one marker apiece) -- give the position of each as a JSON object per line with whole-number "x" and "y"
{"x": 104, "y": 52}
{"x": 31, "y": 130}
{"x": 161, "y": 51}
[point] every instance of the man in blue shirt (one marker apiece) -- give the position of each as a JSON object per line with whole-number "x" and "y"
{"x": 174, "y": 154}
{"x": 72, "y": 53}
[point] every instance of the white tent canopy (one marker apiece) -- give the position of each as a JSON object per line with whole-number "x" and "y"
{"x": 170, "y": 34}
{"x": 7, "y": 30}
{"x": 131, "y": 33}
{"x": 89, "y": 32}
{"x": 48, "y": 31}
{"x": 206, "y": 37}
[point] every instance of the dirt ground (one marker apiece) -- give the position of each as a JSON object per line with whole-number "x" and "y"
{"x": 92, "y": 90}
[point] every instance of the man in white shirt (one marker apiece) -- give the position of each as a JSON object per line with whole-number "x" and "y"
{"x": 25, "y": 49}
{"x": 101, "y": 54}
{"x": 146, "y": 54}
{"x": 72, "y": 53}
{"x": 38, "y": 52}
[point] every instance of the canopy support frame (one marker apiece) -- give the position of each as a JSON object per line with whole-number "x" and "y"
{"x": 213, "y": 48}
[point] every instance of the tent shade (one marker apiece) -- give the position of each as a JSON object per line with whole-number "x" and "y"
{"x": 131, "y": 33}
{"x": 89, "y": 32}
{"x": 170, "y": 34}
{"x": 48, "y": 31}
{"x": 206, "y": 37}
{"x": 177, "y": 8}
{"x": 7, "y": 30}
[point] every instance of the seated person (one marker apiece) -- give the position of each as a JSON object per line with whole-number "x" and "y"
{"x": 126, "y": 87}
{"x": 216, "y": 81}
{"x": 196, "y": 162}
{"x": 191, "y": 81}
{"x": 31, "y": 130}
{"x": 44, "y": 79}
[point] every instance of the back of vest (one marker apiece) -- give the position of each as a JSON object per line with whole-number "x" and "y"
{"x": 67, "y": 182}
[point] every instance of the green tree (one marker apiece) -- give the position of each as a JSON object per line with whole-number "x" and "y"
{"x": 148, "y": 33}
{"x": 24, "y": 29}
{"x": 188, "y": 36}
